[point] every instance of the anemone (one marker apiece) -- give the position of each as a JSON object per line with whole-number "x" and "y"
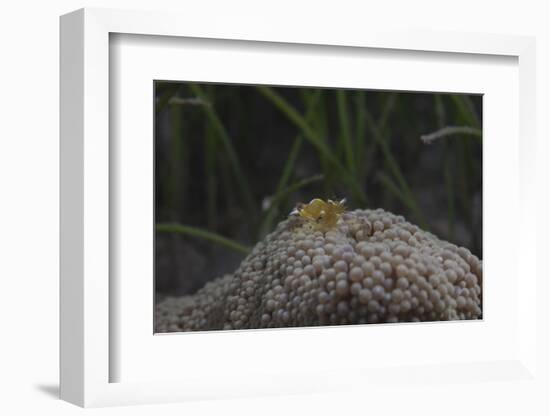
{"x": 371, "y": 267}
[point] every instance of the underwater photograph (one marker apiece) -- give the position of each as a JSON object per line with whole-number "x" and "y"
{"x": 282, "y": 206}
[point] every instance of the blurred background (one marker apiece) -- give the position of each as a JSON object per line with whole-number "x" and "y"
{"x": 231, "y": 161}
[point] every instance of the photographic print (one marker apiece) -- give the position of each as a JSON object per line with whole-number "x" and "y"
{"x": 281, "y": 206}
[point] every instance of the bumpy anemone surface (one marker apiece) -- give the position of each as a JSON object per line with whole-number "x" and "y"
{"x": 372, "y": 267}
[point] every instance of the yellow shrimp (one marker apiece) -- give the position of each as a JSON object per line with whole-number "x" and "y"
{"x": 324, "y": 215}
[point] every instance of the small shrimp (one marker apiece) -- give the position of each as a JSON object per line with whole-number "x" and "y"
{"x": 324, "y": 215}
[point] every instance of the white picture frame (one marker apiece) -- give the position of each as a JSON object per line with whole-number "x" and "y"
{"x": 87, "y": 301}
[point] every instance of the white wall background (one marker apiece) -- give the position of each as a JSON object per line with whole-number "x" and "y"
{"x": 29, "y": 205}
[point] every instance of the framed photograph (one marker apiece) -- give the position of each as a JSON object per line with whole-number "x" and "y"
{"x": 272, "y": 212}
